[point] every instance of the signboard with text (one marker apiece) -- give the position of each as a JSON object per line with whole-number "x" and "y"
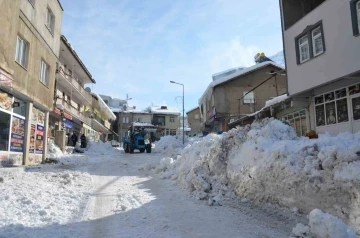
{"x": 17, "y": 134}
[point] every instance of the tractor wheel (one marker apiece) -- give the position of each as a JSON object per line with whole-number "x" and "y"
{"x": 131, "y": 149}
{"x": 142, "y": 150}
{"x": 126, "y": 148}
{"x": 148, "y": 149}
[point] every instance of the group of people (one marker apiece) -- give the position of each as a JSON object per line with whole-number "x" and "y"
{"x": 73, "y": 139}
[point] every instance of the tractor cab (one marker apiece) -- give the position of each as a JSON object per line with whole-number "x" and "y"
{"x": 137, "y": 138}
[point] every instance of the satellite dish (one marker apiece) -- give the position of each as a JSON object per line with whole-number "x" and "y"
{"x": 87, "y": 89}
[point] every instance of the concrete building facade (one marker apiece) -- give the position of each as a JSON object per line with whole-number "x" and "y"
{"x": 194, "y": 121}
{"x": 29, "y": 50}
{"x": 323, "y": 71}
{"x": 240, "y": 94}
{"x": 167, "y": 119}
{"x": 68, "y": 114}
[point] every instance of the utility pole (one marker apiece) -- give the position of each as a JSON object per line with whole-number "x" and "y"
{"x": 183, "y": 127}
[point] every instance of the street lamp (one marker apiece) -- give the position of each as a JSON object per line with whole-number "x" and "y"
{"x": 183, "y": 128}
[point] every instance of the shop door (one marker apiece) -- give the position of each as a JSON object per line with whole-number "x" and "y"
{"x": 355, "y": 113}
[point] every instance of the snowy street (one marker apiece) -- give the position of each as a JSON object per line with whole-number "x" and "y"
{"x": 131, "y": 203}
{"x": 124, "y": 201}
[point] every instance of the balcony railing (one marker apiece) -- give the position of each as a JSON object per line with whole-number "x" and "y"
{"x": 74, "y": 112}
{"x": 68, "y": 76}
{"x": 103, "y": 122}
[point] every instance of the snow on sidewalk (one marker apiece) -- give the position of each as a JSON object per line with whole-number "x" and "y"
{"x": 38, "y": 197}
{"x": 267, "y": 162}
{"x": 50, "y": 194}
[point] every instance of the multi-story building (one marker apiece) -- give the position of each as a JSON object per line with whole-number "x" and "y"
{"x": 321, "y": 43}
{"x": 128, "y": 116}
{"x": 240, "y": 93}
{"x": 101, "y": 118}
{"x": 71, "y": 97}
{"x": 194, "y": 120}
{"x": 167, "y": 119}
{"x": 29, "y": 50}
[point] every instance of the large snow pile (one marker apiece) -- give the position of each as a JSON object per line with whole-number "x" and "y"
{"x": 171, "y": 145}
{"x": 323, "y": 225}
{"x": 268, "y": 162}
{"x": 39, "y": 197}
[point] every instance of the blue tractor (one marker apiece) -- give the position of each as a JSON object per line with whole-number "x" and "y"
{"x": 136, "y": 140}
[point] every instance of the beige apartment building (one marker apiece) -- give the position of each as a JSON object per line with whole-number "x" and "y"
{"x": 239, "y": 94}
{"x": 68, "y": 114}
{"x": 167, "y": 119}
{"x": 29, "y": 50}
{"x": 194, "y": 120}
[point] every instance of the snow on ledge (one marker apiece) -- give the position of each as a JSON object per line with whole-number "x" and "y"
{"x": 105, "y": 107}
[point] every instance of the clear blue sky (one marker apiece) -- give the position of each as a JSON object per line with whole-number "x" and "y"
{"x": 138, "y": 46}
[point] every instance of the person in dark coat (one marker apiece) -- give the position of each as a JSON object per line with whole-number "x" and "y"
{"x": 74, "y": 138}
{"x": 83, "y": 141}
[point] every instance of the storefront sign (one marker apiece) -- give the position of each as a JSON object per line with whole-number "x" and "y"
{"x": 39, "y": 139}
{"x": 32, "y": 139}
{"x": 5, "y": 100}
{"x": 57, "y": 111}
{"x": 5, "y": 78}
{"x": 17, "y": 134}
{"x": 68, "y": 124}
{"x": 211, "y": 113}
{"x": 67, "y": 116}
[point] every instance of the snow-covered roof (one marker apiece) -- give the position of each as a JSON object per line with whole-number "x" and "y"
{"x": 268, "y": 104}
{"x": 278, "y": 58}
{"x": 105, "y": 107}
{"x": 276, "y": 100}
{"x": 168, "y": 110}
{"x": 239, "y": 73}
{"x": 192, "y": 109}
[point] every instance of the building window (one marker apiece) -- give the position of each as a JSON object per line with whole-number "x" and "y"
{"x": 310, "y": 43}
{"x": 125, "y": 119}
{"x": 22, "y": 52}
{"x": 5, "y": 130}
{"x": 355, "y": 16}
{"x": 331, "y": 108}
{"x": 172, "y": 132}
{"x": 44, "y": 73}
{"x": 50, "y": 20}
{"x": 317, "y": 41}
{"x": 248, "y": 97}
{"x": 197, "y": 116}
{"x": 304, "y": 49}
{"x": 297, "y": 120}
{"x": 172, "y": 119}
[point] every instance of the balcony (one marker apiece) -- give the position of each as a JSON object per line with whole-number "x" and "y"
{"x": 74, "y": 112}
{"x": 72, "y": 84}
{"x": 102, "y": 122}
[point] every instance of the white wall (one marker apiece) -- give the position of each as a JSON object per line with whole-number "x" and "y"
{"x": 342, "y": 55}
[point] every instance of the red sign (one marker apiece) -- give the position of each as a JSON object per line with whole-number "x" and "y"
{"x": 211, "y": 113}
{"x": 57, "y": 111}
{"x": 67, "y": 116}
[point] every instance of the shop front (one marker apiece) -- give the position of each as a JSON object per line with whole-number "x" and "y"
{"x": 338, "y": 110}
{"x": 36, "y": 148}
{"x": 12, "y": 129}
